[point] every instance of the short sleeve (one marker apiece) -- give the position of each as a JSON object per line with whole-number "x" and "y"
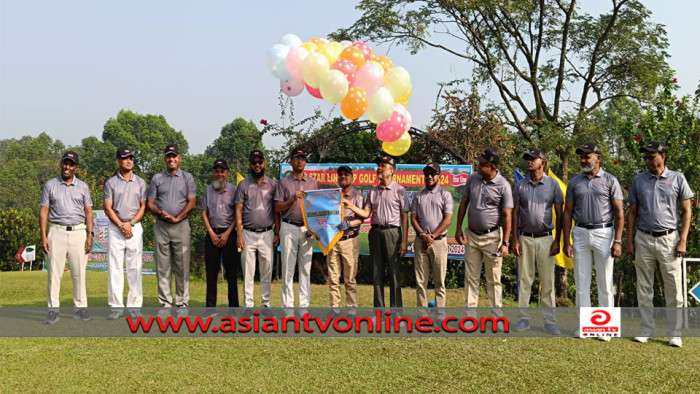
{"x": 449, "y": 202}
{"x": 404, "y": 204}
{"x": 632, "y": 196}
{"x": 558, "y": 196}
{"x": 615, "y": 190}
{"x": 191, "y": 186}
{"x": 87, "y": 197}
{"x": 205, "y": 198}
{"x": 414, "y": 203}
{"x": 144, "y": 190}
{"x": 516, "y": 194}
{"x": 45, "y": 196}
{"x": 570, "y": 191}
{"x": 239, "y": 197}
{"x": 507, "y": 195}
{"x": 153, "y": 189}
{"x": 108, "y": 192}
{"x": 279, "y": 192}
{"x": 684, "y": 191}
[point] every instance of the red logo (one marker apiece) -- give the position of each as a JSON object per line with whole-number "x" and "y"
{"x": 322, "y": 220}
{"x": 600, "y": 317}
{"x": 459, "y": 180}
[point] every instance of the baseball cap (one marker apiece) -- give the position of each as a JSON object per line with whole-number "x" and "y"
{"x": 221, "y": 163}
{"x": 70, "y": 155}
{"x": 172, "y": 149}
{"x": 654, "y": 146}
{"x": 386, "y": 159}
{"x": 489, "y": 155}
{"x": 589, "y": 147}
{"x": 534, "y": 153}
{"x": 296, "y": 152}
{"x": 432, "y": 166}
{"x": 344, "y": 169}
{"x": 254, "y": 154}
{"x": 123, "y": 153}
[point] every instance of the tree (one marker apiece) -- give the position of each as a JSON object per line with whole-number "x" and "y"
{"x": 551, "y": 65}
{"x": 17, "y": 229}
{"x": 235, "y": 142}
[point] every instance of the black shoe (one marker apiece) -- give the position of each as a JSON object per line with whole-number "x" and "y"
{"x": 52, "y": 318}
{"x": 82, "y": 315}
{"x": 210, "y": 312}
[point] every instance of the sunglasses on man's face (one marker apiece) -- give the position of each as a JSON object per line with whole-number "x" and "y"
{"x": 257, "y": 162}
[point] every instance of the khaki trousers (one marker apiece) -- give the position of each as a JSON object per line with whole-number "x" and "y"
{"x": 535, "y": 256}
{"x": 171, "y": 250}
{"x": 426, "y": 261}
{"x": 481, "y": 248}
{"x": 64, "y": 245}
{"x": 649, "y": 250}
{"x": 343, "y": 258}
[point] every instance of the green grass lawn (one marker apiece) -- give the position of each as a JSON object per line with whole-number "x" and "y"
{"x": 326, "y": 364}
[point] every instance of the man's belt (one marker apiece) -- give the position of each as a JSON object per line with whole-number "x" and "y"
{"x": 537, "y": 235}
{"x": 293, "y": 223}
{"x": 70, "y": 228}
{"x": 219, "y": 230}
{"x": 258, "y": 230}
{"x": 594, "y": 226}
{"x": 382, "y": 227}
{"x": 657, "y": 234}
{"x": 492, "y": 229}
{"x": 439, "y": 237}
{"x": 344, "y": 237}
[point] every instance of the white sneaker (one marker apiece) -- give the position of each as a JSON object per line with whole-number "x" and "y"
{"x": 641, "y": 339}
{"x": 675, "y": 342}
{"x": 604, "y": 339}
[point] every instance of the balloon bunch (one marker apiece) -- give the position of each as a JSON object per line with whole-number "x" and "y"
{"x": 350, "y": 74}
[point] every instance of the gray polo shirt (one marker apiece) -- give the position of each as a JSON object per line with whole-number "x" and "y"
{"x": 171, "y": 191}
{"x": 126, "y": 196}
{"x": 387, "y": 204}
{"x": 535, "y": 202}
{"x": 431, "y": 207}
{"x": 487, "y": 200}
{"x": 593, "y": 197}
{"x": 657, "y": 199}
{"x": 355, "y": 197}
{"x": 220, "y": 206}
{"x": 258, "y": 208}
{"x": 66, "y": 202}
{"x": 287, "y": 187}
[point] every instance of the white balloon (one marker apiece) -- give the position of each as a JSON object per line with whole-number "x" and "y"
{"x": 277, "y": 61}
{"x": 291, "y": 40}
{"x": 292, "y": 87}
{"x": 381, "y": 106}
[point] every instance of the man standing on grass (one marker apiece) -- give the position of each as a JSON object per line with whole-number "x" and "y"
{"x": 255, "y": 220}
{"x": 654, "y": 198}
{"x": 219, "y": 217}
{"x": 594, "y": 201}
{"x": 344, "y": 255}
{"x": 490, "y": 200}
{"x": 533, "y": 200}
{"x": 175, "y": 193}
{"x": 295, "y": 239}
{"x": 431, "y": 215}
{"x": 388, "y": 205}
{"x": 125, "y": 205}
{"x": 66, "y": 205}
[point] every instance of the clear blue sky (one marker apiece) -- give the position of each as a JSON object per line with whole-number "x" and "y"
{"x": 66, "y": 67}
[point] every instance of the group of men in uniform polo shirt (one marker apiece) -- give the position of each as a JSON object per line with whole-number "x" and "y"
{"x": 261, "y": 214}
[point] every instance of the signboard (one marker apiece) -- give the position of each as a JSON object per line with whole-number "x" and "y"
{"x": 452, "y": 179}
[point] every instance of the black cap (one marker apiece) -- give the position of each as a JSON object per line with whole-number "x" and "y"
{"x": 70, "y": 155}
{"x": 123, "y": 153}
{"x": 432, "y": 166}
{"x": 386, "y": 159}
{"x": 345, "y": 169}
{"x": 589, "y": 147}
{"x": 654, "y": 146}
{"x": 296, "y": 152}
{"x": 221, "y": 163}
{"x": 534, "y": 153}
{"x": 489, "y": 155}
{"x": 256, "y": 153}
{"x": 172, "y": 149}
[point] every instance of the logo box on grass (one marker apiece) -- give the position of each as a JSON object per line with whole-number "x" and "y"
{"x": 599, "y": 322}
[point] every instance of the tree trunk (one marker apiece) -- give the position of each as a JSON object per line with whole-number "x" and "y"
{"x": 561, "y": 274}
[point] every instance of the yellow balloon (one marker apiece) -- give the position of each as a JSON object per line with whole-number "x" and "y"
{"x": 398, "y": 81}
{"x": 398, "y": 147}
{"x": 404, "y": 99}
{"x": 315, "y": 68}
{"x": 331, "y": 51}
{"x": 309, "y": 46}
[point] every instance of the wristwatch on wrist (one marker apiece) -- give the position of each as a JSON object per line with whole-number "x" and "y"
{"x": 420, "y": 235}
{"x": 506, "y": 244}
{"x": 132, "y": 223}
{"x": 92, "y": 233}
{"x": 618, "y": 241}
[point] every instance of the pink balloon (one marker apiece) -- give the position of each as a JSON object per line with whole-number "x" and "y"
{"x": 392, "y": 129}
{"x": 369, "y": 78}
{"x": 366, "y": 49}
{"x": 295, "y": 62}
{"x": 313, "y": 91}
{"x": 407, "y": 115}
{"x": 292, "y": 87}
{"x": 346, "y": 67}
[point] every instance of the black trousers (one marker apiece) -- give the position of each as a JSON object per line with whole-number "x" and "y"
{"x": 232, "y": 261}
{"x": 384, "y": 250}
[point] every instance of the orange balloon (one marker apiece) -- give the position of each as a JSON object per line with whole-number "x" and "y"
{"x": 355, "y": 55}
{"x": 386, "y": 63}
{"x": 318, "y": 41}
{"x": 354, "y": 104}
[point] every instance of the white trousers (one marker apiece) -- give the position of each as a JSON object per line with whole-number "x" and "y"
{"x": 124, "y": 250}
{"x": 593, "y": 247}
{"x": 297, "y": 248}
{"x": 67, "y": 245}
{"x": 260, "y": 244}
